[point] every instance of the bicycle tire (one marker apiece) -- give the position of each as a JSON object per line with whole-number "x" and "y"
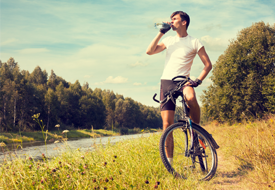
{"x": 185, "y": 165}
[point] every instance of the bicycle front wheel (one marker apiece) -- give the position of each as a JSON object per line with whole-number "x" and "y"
{"x": 200, "y": 162}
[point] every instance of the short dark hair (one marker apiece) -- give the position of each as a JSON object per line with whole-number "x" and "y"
{"x": 184, "y": 17}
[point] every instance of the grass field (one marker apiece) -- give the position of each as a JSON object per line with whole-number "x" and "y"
{"x": 246, "y": 161}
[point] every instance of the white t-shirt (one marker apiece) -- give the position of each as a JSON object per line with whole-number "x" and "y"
{"x": 180, "y": 53}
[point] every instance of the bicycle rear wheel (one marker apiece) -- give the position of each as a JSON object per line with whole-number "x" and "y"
{"x": 199, "y": 163}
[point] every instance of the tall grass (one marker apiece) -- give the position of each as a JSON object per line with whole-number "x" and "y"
{"x": 131, "y": 164}
{"x": 249, "y": 150}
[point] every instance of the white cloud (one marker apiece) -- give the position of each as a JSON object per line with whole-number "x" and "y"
{"x": 138, "y": 63}
{"x": 32, "y": 50}
{"x": 8, "y": 41}
{"x": 87, "y": 76}
{"x": 116, "y": 80}
{"x": 214, "y": 44}
{"x": 137, "y": 84}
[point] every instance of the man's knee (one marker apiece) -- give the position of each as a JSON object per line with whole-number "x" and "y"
{"x": 191, "y": 100}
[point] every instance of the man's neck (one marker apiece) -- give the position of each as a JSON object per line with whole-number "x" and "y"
{"x": 182, "y": 33}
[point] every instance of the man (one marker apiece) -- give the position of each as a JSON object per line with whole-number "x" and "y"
{"x": 180, "y": 53}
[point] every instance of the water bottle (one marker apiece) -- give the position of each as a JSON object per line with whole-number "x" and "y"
{"x": 162, "y": 25}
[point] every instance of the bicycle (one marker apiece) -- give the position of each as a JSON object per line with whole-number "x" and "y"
{"x": 194, "y": 149}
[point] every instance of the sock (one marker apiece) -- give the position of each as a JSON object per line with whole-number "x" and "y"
{"x": 170, "y": 160}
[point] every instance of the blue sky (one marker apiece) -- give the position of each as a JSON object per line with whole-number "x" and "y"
{"x": 103, "y": 42}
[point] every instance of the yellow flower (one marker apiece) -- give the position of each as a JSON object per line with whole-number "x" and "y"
{"x": 2, "y": 144}
{"x": 57, "y": 125}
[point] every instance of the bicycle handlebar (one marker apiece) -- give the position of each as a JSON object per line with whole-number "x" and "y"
{"x": 183, "y": 77}
{"x": 181, "y": 83}
{"x": 154, "y": 98}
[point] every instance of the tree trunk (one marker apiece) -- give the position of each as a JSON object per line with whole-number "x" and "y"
{"x": 14, "y": 113}
{"x": 49, "y": 112}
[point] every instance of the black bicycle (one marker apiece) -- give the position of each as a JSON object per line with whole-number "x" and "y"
{"x": 193, "y": 148}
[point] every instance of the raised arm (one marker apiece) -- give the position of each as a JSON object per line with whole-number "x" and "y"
{"x": 154, "y": 47}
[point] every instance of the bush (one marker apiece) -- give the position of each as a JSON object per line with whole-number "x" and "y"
{"x": 123, "y": 131}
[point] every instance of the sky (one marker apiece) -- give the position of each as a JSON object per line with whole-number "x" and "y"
{"x": 104, "y": 42}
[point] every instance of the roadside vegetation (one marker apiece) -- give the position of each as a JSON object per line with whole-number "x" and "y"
{"x": 52, "y": 136}
{"x": 246, "y": 161}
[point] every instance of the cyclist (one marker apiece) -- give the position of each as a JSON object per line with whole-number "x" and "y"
{"x": 180, "y": 53}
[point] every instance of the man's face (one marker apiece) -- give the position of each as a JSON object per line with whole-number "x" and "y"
{"x": 176, "y": 22}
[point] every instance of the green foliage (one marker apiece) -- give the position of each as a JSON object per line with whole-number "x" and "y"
{"x": 243, "y": 77}
{"x": 23, "y": 94}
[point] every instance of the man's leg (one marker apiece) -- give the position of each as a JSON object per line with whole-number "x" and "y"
{"x": 167, "y": 120}
{"x": 190, "y": 97}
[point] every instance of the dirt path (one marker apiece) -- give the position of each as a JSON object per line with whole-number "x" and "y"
{"x": 228, "y": 176}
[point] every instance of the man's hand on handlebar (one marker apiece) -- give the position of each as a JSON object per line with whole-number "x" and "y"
{"x": 194, "y": 83}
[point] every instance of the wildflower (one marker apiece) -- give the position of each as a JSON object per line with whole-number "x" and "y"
{"x": 56, "y": 141}
{"x": 36, "y": 116}
{"x": 33, "y": 183}
{"x": 94, "y": 180}
{"x": 157, "y": 183}
{"x": 59, "y": 162}
{"x": 82, "y": 157}
{"x": 82, "y": 173}
{"x": 106, "y": 180}
{"x": 111, "y": 178}
{"x": 30, "y": 166}
{"x": 68, "y": 176}
{"x": 2, "y": 144}
{"x": 57, "y": 125}
{"x": 65, "y": 131}
{"x": 271, "y": 120}
{"x": 30, "y": 158}
{"x": 105, "y": 163}
{"x": 42, "y": 181}
{"x": 53, "y": 170}
{"x": 147, "y": 182}
{"x": 43, "y": 155}
{"x": 156, "y": 186}
{"x": 115, "y": 156}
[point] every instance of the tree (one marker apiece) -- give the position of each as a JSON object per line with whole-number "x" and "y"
{"x": 243, "y": 77}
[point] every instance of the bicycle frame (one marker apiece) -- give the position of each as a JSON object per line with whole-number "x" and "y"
{"x": 186, "y": 118}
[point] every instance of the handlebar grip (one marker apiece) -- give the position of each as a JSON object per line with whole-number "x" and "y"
{"x": 154, "y": 98}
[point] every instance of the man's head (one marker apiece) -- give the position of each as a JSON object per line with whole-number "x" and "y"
{"x": 184, "y": 17}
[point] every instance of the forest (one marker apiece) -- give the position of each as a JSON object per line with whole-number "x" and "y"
{"x": 243, "y": 78}
{"x": 23, "y": 94}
